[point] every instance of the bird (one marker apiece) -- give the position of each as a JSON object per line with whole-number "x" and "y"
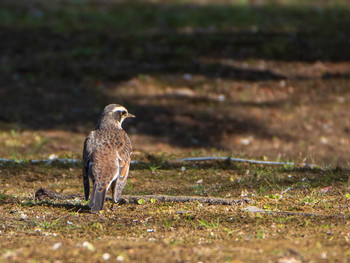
{"x": 106, "y": 157}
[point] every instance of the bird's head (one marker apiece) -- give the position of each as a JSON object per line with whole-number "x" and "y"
{"x": 114, "y": 113}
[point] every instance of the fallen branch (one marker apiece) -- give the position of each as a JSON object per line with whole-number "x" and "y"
{"x": 43, "y": 194}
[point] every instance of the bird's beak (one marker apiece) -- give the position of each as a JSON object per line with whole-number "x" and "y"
{"x": 131, "y": 115}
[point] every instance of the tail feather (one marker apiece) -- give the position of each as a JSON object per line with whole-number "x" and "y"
{"x": 86, "y": 187}
{"x": 86, "y": 181}
{"x": 97, "y": 199}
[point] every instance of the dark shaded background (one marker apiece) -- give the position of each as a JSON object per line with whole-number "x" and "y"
{"x": 59, "y": 61}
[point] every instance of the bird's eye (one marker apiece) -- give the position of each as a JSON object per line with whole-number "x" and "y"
{"x": 123, "y": 113}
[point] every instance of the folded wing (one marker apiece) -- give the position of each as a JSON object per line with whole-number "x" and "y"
{"x": 124, "y": 155}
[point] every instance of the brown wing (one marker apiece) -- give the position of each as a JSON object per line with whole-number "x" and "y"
{"x": 124, "y": 152}
{"x": 124, "y": 155}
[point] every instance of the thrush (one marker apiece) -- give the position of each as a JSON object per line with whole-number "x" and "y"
{"x": 106, "y": 157}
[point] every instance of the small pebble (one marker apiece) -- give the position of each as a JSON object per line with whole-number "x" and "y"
{"x": 56, "y": 246}
{"x": 89, "y": 246}
{"x": 23, "y": 216}
{"x": 245, "y": 141}
{"x": 221, "y": 97}
{"x": 106, "y": 256}
{"x": 53, "y": 157}
{"x": 120, "y": 258}
{"x": 324, "y": 140}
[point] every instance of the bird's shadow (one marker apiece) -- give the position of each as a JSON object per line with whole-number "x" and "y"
{"x": 79, "y": 208}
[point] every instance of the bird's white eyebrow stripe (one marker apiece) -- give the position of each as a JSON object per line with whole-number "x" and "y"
{"x": 118, "y": 109}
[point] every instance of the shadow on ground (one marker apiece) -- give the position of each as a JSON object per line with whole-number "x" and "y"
{"x": 50, "y": 73}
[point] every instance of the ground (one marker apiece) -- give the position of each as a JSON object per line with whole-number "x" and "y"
{"x": 263, "y": 80}
{"x": 153, "y": 231}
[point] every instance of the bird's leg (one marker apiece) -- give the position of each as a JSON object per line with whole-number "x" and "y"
{"x": 113, "y": 186}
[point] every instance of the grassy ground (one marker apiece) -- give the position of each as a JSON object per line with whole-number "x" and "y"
{"x": 64, "y": 230}
{"x": 266, "y": 80}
